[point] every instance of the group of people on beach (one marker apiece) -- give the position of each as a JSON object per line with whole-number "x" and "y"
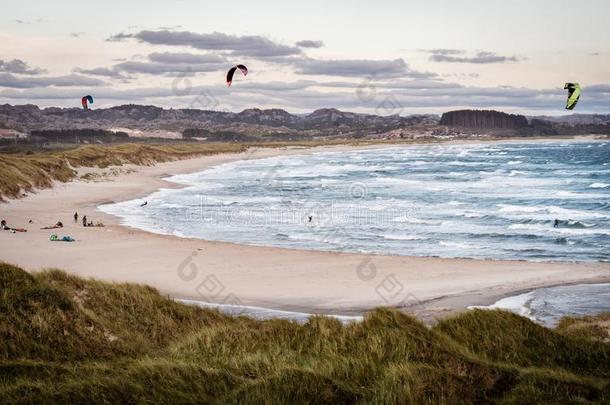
{"x": 5, "y": 227}
{"x": 85, "y": 222}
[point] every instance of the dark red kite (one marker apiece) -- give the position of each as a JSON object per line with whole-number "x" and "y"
{"x": 231, "y": 72}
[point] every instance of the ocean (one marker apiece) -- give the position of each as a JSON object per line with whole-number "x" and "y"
{"x": 548, "y": 305}
{"x": 486, "y": 200}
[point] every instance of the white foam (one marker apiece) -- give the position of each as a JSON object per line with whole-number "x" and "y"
{"x": 267, "y": 313}
{"x": 542, "y": 229}
{"x": 403, "y": 237}
{"x": 459, "y": 245}
{"x": 552, "y": 210}
{"x": 599, "y": 185}
{"x": 516, "y": 304}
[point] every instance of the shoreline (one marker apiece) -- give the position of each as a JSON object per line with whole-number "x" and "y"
{"x": 270, "y": 277}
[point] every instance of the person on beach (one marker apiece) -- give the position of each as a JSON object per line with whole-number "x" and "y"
{"x": 556, "y": 223}
{"x": 84, "y": 220}
{"x": 75, "y": 217}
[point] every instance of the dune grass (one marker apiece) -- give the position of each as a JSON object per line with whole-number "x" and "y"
{"x": 25, "y": 172}
{"x": 66, "y": 339}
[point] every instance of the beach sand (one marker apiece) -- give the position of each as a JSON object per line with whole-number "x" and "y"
{"x": 296, "y": 280}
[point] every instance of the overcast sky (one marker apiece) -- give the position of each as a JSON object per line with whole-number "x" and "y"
{"x": 383, "y": 57}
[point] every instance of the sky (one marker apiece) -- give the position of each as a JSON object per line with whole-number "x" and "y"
{"x": 383, "y": 57}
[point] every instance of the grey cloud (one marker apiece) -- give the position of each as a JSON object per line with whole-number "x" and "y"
{"x": 277, "y": 85}
{"x": 247, "y": 45}
{"x": 307, "y": 43}
{"x": 102, "y": 71}
{"x": 179, "y": 58}
{"x": 444, "y": 51}
{"x": 479, "y": 58}
{"x": 9, "y": 80}
{"x": 173, "y": 27}
{"x": 357, "y": 68}
{"x": 97, "y": 71}
{"x": 165, "y": 68}
{"x": 166, "y": 63}
{"x": 597, "y": 89}
{"x": 394, "y": 84}
{"x": 18, "y": 66}
{"x": 38, "y": 20}
{"x": 119, "y": 37}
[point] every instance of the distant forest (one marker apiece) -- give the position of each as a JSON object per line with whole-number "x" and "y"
{"x": 80, "y": 135}
{"x": 483, "y": 119}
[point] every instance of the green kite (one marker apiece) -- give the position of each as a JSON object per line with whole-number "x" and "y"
{"x": 573, "y": 95}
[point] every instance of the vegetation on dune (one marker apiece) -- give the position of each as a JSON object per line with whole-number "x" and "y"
{"x": 20, "y": 172}
{"x": 593, "y": 327}
{"x": 69, "y": 339}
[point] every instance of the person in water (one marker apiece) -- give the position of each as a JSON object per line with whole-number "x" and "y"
{"x": 556, "y": 223}
{"x": 310, "y": 218}
{"x": 144, "y": 203}
{"x": 75, "y": 217}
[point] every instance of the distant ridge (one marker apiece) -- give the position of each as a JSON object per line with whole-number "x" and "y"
{"x": 325, "y": 121}
{"x": 55, "y": 124}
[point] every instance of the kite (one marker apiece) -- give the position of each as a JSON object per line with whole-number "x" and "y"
{"x": 86, "y": 99}
{"x": 573, "y": 95}
{"x": 231, "y": 72}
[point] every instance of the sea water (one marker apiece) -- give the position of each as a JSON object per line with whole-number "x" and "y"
{"x": 548, "y": 305}
{"x": 490, "y": 200}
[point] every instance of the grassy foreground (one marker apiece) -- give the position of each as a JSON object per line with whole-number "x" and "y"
{"x": 66, "y": 339}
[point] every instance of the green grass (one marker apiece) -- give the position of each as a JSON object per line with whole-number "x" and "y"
{"x": 26, "y": 172}
{"x": 67, "y": 339}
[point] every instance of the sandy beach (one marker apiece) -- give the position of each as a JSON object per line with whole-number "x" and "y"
{"x": 308, "y": 281}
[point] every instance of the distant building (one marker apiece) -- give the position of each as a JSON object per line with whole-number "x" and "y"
{"x": 11, "y": 134}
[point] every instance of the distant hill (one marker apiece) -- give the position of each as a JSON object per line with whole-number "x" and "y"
{"x": 483, "y": 119}
{"x": 138, "y": 120}
{"x": 110, "y": 125}
{"x": 576, "y": 119}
